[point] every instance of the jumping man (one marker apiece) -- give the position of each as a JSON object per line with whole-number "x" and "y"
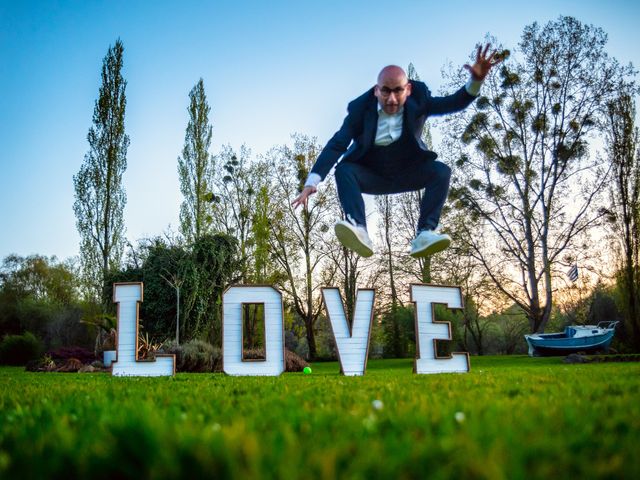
{"x": 382, "y": 152}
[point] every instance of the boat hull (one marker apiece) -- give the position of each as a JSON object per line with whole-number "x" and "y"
{"x": 540, "y": 346}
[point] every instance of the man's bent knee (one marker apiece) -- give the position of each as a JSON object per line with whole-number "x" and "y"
{"x": 442, "y": 171}
{"x": 344, "y": 169}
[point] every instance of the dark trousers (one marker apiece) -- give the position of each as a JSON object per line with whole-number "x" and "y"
{"x": 395, "y": 168}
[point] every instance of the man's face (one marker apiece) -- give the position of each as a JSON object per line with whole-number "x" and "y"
{"x": 392, "y": 91}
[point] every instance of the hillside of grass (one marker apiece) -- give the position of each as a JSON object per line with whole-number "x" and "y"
{"x": 510, "y": 417}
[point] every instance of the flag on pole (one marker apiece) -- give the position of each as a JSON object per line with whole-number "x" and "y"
{"x": 573, "y": 273}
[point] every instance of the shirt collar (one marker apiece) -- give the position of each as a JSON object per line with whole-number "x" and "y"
{"x": 389, "y": 115}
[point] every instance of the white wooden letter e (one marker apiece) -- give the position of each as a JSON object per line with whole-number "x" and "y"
{"x": 428, "y": 330}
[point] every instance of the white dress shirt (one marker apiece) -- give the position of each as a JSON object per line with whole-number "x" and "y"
{"x": 389, "y": 127}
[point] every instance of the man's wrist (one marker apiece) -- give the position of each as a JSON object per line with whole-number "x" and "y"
{"x": 313, "y": 180}
{"x": 473, "y": 86}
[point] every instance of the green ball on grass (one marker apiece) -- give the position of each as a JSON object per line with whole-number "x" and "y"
{"x": 307, "y": 370}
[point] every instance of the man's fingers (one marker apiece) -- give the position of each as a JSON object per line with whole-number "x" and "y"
{"x": 296, "y": 203}
{"x": 303, "y": 198}
{"x": 486, "y": 49}
{"x": 478, "y": 53}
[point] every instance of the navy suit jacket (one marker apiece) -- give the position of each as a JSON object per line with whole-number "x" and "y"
{"x": 358, "y": 132}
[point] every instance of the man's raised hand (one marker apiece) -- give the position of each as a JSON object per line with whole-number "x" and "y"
{"x": 304, "y": 196}
{"x": 484, "y": 63}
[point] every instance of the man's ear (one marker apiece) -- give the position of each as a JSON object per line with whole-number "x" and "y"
{"x": 409, "y": 88}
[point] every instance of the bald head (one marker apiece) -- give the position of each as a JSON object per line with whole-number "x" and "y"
{"x": 391, "y": 72}
{"x": 392, "y": 89}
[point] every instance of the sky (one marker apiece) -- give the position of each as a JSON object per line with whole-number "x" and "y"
{"x": 270, "y": 69}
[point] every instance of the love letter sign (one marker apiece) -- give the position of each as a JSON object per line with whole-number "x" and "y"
{"x": 352, "y": 337}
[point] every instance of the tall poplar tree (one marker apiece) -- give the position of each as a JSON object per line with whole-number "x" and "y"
{"x": 195, "y": 168}
{"x": 99, "y": 193}
{"x": 623, "y": 145}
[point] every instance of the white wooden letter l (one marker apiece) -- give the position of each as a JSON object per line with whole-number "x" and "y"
{"x": 128, "y": 297}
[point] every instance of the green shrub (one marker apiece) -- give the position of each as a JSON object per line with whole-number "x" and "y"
{"x": 20, "y": 349}
{"x": 195, "y": 356}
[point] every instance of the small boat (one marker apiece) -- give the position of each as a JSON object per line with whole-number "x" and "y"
{"x": 574, "y": 339}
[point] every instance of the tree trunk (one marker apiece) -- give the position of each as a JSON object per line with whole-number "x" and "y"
{"x": 534, "y": 315}
{"x": 632, "y": 301}
{"x": 248, "y": 327}
{"x": 387, "y": 238}
{"x": 476, "y": 332}
{"x": 311, "y": 339}
{"x": 425, "y": 268}
{"x": 398, "y": 341}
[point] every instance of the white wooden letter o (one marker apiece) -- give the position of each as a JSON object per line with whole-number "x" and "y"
{"x": 232, "y": 300}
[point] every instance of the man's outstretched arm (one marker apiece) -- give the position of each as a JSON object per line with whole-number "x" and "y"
{"x": 463, "y": 97}
{"x": 330, "y": 154}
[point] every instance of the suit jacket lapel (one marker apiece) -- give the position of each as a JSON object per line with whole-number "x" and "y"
{"x": 370, "y": 124}
{"x": 410, "y": 115}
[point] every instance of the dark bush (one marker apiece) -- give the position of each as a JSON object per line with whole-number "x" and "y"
{"x": 399, "y": 333}
{"x": 71, "y": 365}
{"x": 293, "y": 362}
{"x": 65, "y": 353}
{"x": 19, "y": 349}
{"x": 65, "y": 329}
{"x": 198, "y": 357}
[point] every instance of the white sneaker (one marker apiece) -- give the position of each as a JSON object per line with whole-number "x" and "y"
{"x": 354, "y": 237}
{"x": 428, "y": 242}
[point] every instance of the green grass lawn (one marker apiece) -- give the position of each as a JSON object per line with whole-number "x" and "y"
{"x": 510, "y": 417}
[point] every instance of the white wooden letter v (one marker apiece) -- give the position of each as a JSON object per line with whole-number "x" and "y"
{"x": 352, "y": 343}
